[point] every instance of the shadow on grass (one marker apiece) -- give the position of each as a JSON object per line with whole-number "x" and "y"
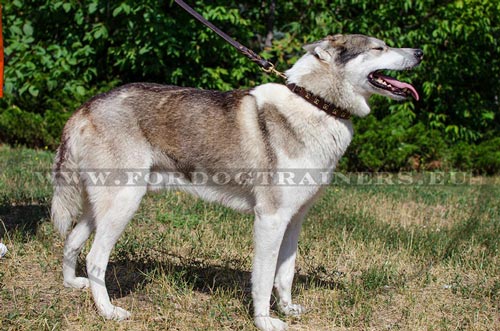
{"x": 124, "y": 277}
{"x": 23, "y": 219}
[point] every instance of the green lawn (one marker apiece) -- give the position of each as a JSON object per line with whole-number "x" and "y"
{"x": 372, "y": 257}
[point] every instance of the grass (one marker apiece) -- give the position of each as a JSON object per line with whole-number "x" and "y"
{"x": 378, "y": 257}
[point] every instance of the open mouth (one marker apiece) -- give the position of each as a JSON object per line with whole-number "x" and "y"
{"x": 392, "y": 85}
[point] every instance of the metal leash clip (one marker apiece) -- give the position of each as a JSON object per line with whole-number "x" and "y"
{"x": 273, "y": 70}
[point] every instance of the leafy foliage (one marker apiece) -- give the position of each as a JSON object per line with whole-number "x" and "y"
{"x": 61, "y": 52}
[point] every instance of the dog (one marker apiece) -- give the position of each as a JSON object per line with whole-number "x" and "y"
{"x": 156, "y": 128}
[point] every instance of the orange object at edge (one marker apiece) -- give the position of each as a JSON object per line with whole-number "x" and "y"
{"x": 1, "y": 54}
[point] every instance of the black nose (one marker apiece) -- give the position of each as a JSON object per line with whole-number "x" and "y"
{"x": 419, "y": 54}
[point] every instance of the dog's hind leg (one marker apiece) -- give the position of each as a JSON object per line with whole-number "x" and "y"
{"x": 112, "y": 216}
{"x": 286, "y": 265}
{"x": 269, "y": 229}
{"x": 73, "y": 247}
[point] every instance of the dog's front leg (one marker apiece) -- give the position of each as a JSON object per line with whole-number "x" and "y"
{"x": 269, "y": 229}
{"x": 286, "y": 265}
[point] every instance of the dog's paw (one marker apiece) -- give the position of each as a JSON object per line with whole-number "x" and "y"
{"x": 77, "y": 282}
{"x": 120, "y": 314}
{"x": 266, "y": 323}
{"x": 115, "y": 313}
{"x": 292, "y": 309}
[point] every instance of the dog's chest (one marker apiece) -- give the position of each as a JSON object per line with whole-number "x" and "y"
{"x": 302, "y": 136}
{"x": 324, "y": 143}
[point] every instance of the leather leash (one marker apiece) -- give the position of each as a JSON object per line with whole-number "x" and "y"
{"x": 268, "y": 67}
{"x": 265, "y": 65}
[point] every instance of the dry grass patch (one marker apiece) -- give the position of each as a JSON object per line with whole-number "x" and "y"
{"x": 371, "y": 258}
{"x": 407, "y": 213}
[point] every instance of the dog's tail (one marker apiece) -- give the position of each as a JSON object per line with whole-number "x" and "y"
{"x": 68, "y": 188}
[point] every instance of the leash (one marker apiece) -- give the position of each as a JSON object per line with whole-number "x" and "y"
{"x": 268, "y": 67}
{"x": 265, "y": 65}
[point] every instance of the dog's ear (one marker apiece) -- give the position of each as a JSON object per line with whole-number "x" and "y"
{"x": 319, "y": 49}
{"x": 336, "y": 40}
{"x": 322, "y": 54}
{"x": 310, "y": 47}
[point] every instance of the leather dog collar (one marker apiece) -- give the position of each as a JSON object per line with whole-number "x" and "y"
{"x": 319, "y": 102}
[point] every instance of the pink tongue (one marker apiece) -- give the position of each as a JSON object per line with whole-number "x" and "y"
{"x": 398, "y": 84}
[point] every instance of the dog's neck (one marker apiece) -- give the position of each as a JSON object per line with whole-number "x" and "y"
{"x": 313, "y": 75}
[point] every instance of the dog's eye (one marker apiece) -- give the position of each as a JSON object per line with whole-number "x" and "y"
{"x": 378, "y": 48}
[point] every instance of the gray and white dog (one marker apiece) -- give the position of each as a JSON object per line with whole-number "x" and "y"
{"x": 168, "y": 128}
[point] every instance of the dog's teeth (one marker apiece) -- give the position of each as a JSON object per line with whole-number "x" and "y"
{"x": 383, "y": 82}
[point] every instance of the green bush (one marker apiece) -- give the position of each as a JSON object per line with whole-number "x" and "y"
{"x": 461, "y": 157}
{"x": 61, "y": 52}
{"x": 487, "y": 156}
{"x": 19, "y": 126}
{"x": 393, "y": 143}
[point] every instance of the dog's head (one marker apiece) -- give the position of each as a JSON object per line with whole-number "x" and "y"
{"x": 355, "y": 64}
